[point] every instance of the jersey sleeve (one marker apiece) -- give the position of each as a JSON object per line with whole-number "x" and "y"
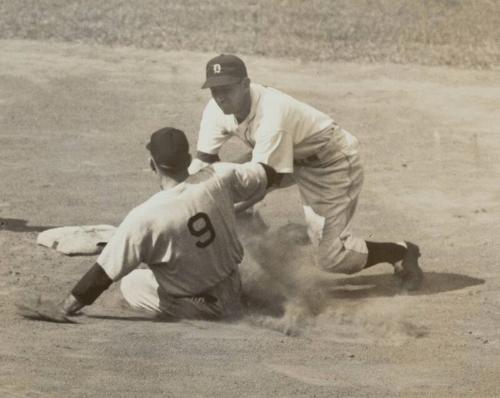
{"x": 245, "y": 181}
{"x": 126, "y": 249}
{"x": 212, "y": 134}
{"x": 274, "y": 148}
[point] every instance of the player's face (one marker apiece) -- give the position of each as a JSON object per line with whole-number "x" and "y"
{"x": 232, "y": 98}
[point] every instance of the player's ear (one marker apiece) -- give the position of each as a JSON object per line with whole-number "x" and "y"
{"x": 152, "y": 165}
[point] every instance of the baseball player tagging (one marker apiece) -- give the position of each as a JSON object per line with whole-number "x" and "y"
{"x": 298, "y": 140}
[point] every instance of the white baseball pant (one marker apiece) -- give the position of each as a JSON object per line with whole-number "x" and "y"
{"x": 330, "y": 185}
{"x": 142, "y": 291}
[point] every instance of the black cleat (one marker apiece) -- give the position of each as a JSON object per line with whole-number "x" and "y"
{"x": 411, "y": 274}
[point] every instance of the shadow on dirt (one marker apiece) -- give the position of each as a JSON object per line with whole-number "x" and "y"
{"x": 386, "y": 285}
{"x": 19, "y": 225}
{"x": 272, "y": 303}
{"x": 358, "y": 287}
{"x": 133, "y": 318}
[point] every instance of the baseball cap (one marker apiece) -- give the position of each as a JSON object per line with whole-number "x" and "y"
{"x": 169, "y": 148}
{"x": 224, "y": 69}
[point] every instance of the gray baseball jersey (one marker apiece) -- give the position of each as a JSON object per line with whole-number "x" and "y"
{"x": 187, "y": 234}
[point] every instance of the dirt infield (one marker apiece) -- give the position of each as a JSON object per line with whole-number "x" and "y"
{"x": 73, "y": 123}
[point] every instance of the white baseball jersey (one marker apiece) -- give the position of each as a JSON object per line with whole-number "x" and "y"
{"x": 186, "y": 235}
{"x": 279, "y": 128}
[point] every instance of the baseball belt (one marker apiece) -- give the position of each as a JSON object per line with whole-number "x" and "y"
{"x": 204, "y": 296}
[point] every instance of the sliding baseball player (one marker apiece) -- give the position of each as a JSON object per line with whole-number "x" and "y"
{"x": 185, "y": 234}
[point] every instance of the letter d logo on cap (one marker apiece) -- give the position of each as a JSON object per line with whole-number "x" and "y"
{"x": 217, "y": 68}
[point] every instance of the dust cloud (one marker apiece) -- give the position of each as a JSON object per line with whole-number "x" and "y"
{"x": 285, "y": 291}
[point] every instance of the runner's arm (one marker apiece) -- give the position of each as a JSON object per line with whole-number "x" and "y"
{"x": 87, "y": 289}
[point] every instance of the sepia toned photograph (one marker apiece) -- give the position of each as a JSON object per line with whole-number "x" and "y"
{"x": 281, "y": 198}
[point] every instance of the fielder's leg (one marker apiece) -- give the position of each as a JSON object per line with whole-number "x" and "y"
{"x": 330, "y": 194}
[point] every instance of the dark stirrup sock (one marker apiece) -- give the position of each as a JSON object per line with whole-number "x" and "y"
{"x": 384, "y": 252}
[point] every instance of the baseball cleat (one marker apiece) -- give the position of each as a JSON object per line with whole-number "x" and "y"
{"x": 411, "y": 274}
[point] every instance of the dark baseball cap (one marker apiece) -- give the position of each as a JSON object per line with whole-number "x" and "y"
{"x": 224, "y": 69}
{"x": 169, "y": 148}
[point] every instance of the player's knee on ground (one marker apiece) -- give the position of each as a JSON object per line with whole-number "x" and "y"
{"x": 337, "y": 268}
{"x": 140, "y": 290}
{"x": 342, "y": 256}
